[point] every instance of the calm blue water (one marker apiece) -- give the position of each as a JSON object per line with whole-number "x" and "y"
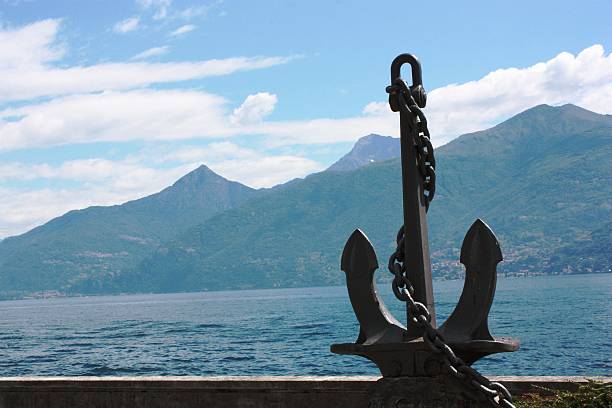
{"x": 564, "y": 324}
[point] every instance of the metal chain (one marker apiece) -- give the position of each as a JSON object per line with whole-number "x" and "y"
{"x": 426, "y": 162}
{"x": 418, "y": 313}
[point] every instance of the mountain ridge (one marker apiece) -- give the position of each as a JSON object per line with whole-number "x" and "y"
{"x": 368, "y": 149}
{"x": 101, "y": 241}
{"x": 534, "y": 193}
{"x": 540, "y": 179}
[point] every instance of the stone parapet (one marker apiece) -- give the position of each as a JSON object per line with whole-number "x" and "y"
{"x": 212, "y": 392}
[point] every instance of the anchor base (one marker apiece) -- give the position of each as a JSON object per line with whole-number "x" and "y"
{"x": 425, "y": 392}
{"x": 415, "y": 358}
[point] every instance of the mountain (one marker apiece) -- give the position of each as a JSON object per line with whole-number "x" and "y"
{"x": 81, "y": 249}
{"x": 589, "y": 253}
{"x": 369, "y": 149}
{"x": 542, "y": 180}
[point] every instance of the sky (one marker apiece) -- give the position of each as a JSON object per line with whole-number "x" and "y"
{"x": 102, "y": 102}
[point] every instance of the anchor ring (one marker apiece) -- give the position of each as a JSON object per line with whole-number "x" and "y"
{"x": 416, "y": 89}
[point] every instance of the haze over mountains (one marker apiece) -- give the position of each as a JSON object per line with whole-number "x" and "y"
{"x": 541, "y": 180}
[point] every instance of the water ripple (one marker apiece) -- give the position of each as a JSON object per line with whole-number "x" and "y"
{"x": 289, "y": 331}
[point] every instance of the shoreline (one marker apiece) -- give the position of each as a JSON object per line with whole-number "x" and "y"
{"x": 49, "y": 295}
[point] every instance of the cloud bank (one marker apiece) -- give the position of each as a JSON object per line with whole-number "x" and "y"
{"x": 45, "y": 104}
{"x": 121, "y": 112}
{"x": 27, "y": 72}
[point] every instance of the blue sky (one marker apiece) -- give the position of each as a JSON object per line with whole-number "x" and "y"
{"x": 106, "y": 101}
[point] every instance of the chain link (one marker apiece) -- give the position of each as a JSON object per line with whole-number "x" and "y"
{"x": 418, "y": 313}
{"x": 426, "y": 161}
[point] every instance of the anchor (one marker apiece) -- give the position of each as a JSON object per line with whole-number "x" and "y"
{"x": 421, "y": 349}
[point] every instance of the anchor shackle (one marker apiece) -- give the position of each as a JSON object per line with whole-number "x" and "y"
{"x": 416, "y": 89}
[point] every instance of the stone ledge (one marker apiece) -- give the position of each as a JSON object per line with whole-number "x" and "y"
{"x": 187, "y": 392}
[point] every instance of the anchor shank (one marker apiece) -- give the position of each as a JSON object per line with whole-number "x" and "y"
{"x": 416, "y": 244}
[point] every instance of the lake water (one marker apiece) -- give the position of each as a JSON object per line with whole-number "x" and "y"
{"x": 564, "y": 324}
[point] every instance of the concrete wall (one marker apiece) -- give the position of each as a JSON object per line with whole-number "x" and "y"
{"x": 236, "y": 392}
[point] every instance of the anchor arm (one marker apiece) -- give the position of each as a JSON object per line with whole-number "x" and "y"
{"x": 359, "y": 262}
{"x": 480, "y": 254}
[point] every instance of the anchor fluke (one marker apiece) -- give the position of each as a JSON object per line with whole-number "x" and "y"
{"x": 480, "y": 244}
{"x": 480, "y": 254}
{"x": 467, "y": 326}
{"x": 359, "y": 262}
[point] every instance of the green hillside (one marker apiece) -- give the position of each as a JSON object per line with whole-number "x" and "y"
{"x": 541, "y": 180}
{"x": 83, "y": 249}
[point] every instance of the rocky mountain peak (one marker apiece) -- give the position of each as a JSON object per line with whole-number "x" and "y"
{"x": 368, "y": 149}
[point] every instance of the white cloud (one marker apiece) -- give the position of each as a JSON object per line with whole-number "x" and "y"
{"x": 159, "y": 7}
{"x": 266, "y": 171}
{"x": 187, "y": 28}
{"x": 22, "y": 210}
{"x": 23, "y": 85}
{"x": 76, "y": 170}
{"x": 151, "y": 52}
{"x": 115, "y": 117}
{"x": 254, "y": 108}
{"x": 193, "y": 12}
{"x": 30, "y": 46}
{"x": 26, "y": 73}
{"x": 127, "y": 25}
{"x": 168, "y": 115}
{"x": 324, "y": 131}
{"x": 153, "y": 3}
{"x": 248, "y": 166}
{"x": 164, "y": 10}
{"x": 211, "y": 153}
{"x": 105, "y": 102}
{"x": 584, "y": 79}
{"x": 376, "y": 108}
{"x": 130, "y": 176}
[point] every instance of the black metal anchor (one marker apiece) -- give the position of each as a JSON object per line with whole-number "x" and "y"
{"x": 401, "y": 351}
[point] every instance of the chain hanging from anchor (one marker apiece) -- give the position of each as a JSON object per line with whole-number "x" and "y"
{"x": 402, "y": 99}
